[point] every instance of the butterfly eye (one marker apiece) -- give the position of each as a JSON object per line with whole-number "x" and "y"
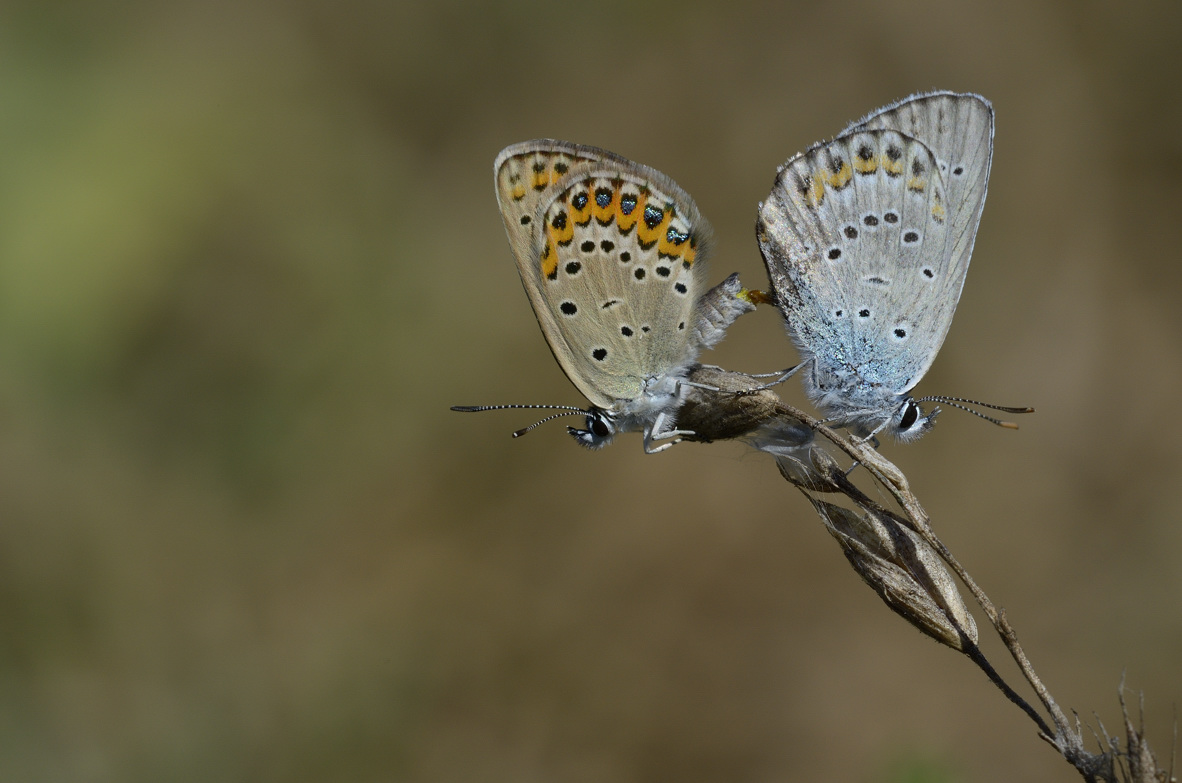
{"x": 598, "y": 426}
{"x": 913, "y": 422}
{"x": 599, "y": 430}
{"x": 910, "y": 416}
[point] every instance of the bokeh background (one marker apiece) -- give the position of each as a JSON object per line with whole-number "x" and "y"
{"x": 250, "y": 254}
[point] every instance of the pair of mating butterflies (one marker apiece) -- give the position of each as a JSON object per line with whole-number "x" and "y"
{"x": 866, "y": 240}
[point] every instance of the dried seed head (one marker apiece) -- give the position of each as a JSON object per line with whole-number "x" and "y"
{"x": 813, "y": 470}
{"x": 782, "y": 434}
{"x": 721, "y": 404}
{"x": 905, "y": 572}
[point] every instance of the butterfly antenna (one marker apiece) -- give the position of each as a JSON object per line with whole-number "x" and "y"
{"x": 567, "y": 410}
{"x": 524, "y": 430}
{"x": 955, "y": 403}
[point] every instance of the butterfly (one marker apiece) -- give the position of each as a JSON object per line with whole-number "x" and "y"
{"x": 867, "y": 240}
{"x": 612, "y": 257}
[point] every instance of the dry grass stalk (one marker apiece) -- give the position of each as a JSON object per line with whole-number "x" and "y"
{"x": 902, "y": 559}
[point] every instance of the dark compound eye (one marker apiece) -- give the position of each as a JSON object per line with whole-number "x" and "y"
{"x": 598, "y": 427}
{"x": 910, "y": 415}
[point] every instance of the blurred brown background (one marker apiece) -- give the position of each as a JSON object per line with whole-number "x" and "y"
{"x": 250, "y": 255}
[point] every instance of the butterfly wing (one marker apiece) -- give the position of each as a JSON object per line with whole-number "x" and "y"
{"x": 844, "y": 237}
{"x": 524, "y": 172}
{"x": 867, "y": 243}
{"x": 958, "y": 129}
{"x": 611, "y": 257}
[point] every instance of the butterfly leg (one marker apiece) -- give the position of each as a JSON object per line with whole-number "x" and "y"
{"x": 872, "y": 439}
{"x": 695, "y": 385}
{"x": 657, "y": 432}
{"x": 649, "y": 450}
{"x": 779, "y": 376}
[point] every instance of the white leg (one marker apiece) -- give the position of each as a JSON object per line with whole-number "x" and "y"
{"x": 662, "y": 447}
{"x": 657, "y": 432}
{"x": 872, "y": 437}
{"x": 783, "y": 375}
{"x": 695, "y": 385}
{"x": 780, "y": 377}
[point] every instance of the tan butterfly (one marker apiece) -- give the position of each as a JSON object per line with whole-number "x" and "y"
{"x": 612, "y": 255}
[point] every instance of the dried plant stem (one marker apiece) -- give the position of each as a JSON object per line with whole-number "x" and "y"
{"x": 996, "y": 617}
{"x": 910, "y": 586}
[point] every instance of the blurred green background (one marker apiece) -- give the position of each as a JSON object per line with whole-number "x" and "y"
{"x": 250, "y": 254}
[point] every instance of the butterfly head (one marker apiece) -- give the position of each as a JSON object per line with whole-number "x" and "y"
{"x": 600, "y": 429}
{"x": 910, "y": 422}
